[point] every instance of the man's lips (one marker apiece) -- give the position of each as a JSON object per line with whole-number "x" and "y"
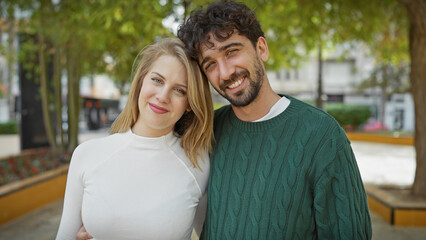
{"x": 236, "y": 84}
{"x": 157, "y": 109}
{"x": 235, "y": 81}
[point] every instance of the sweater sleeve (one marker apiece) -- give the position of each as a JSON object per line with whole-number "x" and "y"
{"x": 71, "y": 214}
{"x": 340, "y": 204}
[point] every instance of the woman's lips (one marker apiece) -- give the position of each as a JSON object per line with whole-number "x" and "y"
{"x": 158, "y": 109}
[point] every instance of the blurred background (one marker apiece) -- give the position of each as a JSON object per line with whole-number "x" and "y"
{"x": 66, "y": 66}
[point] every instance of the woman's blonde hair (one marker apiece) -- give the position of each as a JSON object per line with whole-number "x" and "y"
{"x": 195, "y": 128}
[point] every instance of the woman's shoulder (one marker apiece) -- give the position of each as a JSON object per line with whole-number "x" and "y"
{"x": 101, "y": 144}
{"x": 91, "y": 152}
{"x": 201, "y": 174}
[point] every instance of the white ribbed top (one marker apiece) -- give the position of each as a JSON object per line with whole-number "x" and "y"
{"x": 132, "y": 187}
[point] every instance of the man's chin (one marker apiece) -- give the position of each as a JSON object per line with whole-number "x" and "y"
{"x": 239, "y": 102}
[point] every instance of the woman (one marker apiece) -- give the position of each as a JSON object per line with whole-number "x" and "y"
{"x": 146, "y": 179}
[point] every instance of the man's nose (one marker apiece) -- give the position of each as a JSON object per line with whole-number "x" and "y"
{"x": 225, "y": 70}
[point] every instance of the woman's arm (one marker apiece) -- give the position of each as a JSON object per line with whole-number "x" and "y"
{"x": 71, "y": 214}
{"x": 200, "y": 214}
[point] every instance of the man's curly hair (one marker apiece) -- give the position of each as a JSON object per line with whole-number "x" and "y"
{"x": 221, "y": 19}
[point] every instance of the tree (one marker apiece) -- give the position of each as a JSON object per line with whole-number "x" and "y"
{"x": 389, "y": 79}
{"x": 417, "y": 38}
{"x": 76, "y": 38}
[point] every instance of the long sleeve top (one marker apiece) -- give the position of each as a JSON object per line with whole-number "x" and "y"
{"x": 131, "y": 187}
{"x": 290, "y": 177}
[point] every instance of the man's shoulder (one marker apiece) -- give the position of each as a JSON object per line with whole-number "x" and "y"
{"x": 222, "y": 110}
{"x": 220, "y": 113}
{"x": 315, "y": 118}
{"x": 307, "y": 111}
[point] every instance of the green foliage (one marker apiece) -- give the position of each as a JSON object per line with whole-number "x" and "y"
{"x": 295, "y": 28}
{"x": 349, "y": 115}
{"x": 10, "y": 127}
{"x": 389, "y": 78}
{"x": 81, "y": 38}
{"x": 217, "y": 105}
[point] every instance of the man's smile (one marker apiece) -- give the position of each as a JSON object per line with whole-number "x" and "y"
{"x": 236, "y": 83}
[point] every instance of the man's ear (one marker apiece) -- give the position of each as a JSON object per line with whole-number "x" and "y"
{"x": 262, "y": 48}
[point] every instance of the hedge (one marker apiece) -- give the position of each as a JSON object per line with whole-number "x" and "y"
{"x": 10, "y": 127}
{"x": 349, "y": 115}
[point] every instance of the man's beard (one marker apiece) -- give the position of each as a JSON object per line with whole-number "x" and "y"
{"x": 241, "y": 98}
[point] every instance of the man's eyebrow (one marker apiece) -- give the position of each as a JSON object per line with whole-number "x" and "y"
{"x": 204, "y": 61}
{"x": 233, "y": 44}
{"x": 221, "y": 49}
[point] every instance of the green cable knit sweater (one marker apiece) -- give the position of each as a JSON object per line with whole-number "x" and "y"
{"x": 291, "y": 177}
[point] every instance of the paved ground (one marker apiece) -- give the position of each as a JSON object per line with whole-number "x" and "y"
{"x": 378, "y": 163}
{"x": 43, "y": 223}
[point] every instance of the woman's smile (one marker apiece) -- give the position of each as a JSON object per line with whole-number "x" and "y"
{"x": 158, "y": 109}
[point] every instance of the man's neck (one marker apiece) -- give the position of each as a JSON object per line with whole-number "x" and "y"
{"x": 260, "y": 106}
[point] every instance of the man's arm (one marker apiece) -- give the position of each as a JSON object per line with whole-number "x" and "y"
{"x": 340, "y": 202}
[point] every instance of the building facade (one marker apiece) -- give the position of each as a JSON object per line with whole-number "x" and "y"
{"x": 340, "y": 78}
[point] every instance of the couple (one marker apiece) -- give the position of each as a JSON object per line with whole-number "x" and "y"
{"x": 278, "y": 169}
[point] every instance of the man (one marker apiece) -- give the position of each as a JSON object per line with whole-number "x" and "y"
{"x": 280, "y": 169}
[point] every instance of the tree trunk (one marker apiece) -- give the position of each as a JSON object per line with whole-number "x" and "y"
{"x": 74, "y": 74}
{"x": 44, "y": 90}
{"x": 185, "y": 5}
{"x": 417, "y": 36}
{"x": 383, "y": 99}
{"x": 319, "y": 101}
{"x": 11, "y": 61}
{"x": 385, "y": 76}
{"x": 57, "y": 73}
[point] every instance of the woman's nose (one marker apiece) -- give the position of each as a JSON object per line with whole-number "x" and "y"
{"x": 163, "y": 95}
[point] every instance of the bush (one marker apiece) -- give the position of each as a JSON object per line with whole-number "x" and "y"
{"x": 10, "y": 127}
{"x": 349, "y": 115}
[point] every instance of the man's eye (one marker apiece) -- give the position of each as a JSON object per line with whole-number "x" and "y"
{"x": 207, "y": 66}
{"x": 231, "y": 52}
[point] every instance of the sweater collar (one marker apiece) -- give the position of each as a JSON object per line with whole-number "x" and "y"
{"x": 267, "y": 124}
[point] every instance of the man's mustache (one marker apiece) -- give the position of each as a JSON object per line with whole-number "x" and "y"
{"x": 235, "y": 76}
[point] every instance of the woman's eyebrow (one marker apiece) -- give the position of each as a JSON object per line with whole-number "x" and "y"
{"x": 178, "y": 84}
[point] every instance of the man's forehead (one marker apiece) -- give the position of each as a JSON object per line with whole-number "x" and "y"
{"x": 212, "y": 44}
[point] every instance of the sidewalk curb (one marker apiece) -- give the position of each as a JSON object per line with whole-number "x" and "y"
{"x": 393, "y": 208}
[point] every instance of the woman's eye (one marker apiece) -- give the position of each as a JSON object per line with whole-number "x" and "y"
{"x": 156, "y": 80}
{"x": 180, "y": 91}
